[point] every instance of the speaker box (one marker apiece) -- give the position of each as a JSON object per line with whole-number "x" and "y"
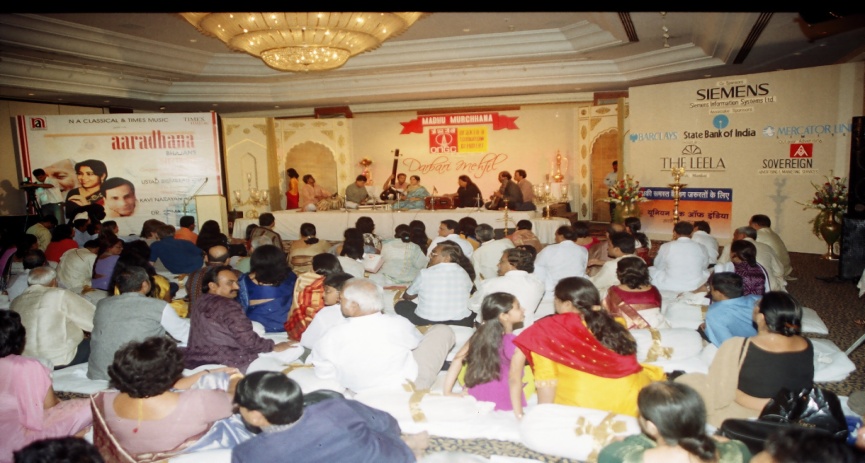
{"x": 852, "y": 260}
{"x": 856, "y": 199}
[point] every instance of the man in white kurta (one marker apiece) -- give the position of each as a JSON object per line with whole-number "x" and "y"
{"x": 55, "y": 318}
{"x": 702, "y": 235}
{"x": 485, "y": 259}
{"x": 767, "y": 236}
{"x": 681, "y": 264}
{"x": 563, "y": 259}
{"x": 620, "y": 245}
{"x": 75, "y": 269}
{"x": 375, "y": 350}
{"x": 765, "y": 256}
{"x": 449, "y": 230}
{"x": 515, "y": 269}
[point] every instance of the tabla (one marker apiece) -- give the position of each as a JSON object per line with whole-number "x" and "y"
{"x": 330, "y": 204}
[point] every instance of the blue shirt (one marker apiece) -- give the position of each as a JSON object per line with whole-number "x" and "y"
{"x": 178, "y": 256}
{"x": 730, "y": 318}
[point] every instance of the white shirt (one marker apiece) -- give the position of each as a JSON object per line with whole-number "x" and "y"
{"x": 174, "y": 325}
{"x": 527, "y": 288}
{"x": 486, "y": 258}
{"x": 49, "y": 195}
{"x": 75, "y": 269}
{"x": 611, "y": 179}
{"x": 442, "y": 292}
{"x": 561, "y": 260}
{"x": 680, "y": 265}
{"x": 709, "y": 242}
{"x": 324, "y": 320}
{"x": 82, "y": 237}
{"x": 351, "y": 266}
{"x": 18, "y": 285}
{"x": 55, "y": 320}
{"x": 769, "y": 237}
{"x": 607, "y": 276}
{"x": 368, "y": 352}
{"x": 467, "y": 247}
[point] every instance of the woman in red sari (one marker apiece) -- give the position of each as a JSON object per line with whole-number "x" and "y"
{"x": 633, "y": 295}
{"x": 580, "y": 356}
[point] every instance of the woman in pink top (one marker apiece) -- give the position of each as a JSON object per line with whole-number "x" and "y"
{"x": 153, "y": 413}
{"x": 29, "y": 410}
{"x": 487, "y": 354}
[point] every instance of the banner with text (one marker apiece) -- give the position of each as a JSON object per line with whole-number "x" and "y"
{"x": 137, "y": 167}
{"x": 714, "y": 205}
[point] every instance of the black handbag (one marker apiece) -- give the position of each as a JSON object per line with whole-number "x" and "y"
{"x": 812, "y": 408}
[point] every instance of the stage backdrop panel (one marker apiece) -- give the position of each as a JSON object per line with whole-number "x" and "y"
{"x": 765, "y": 136}
{"x": 168, "y": 158}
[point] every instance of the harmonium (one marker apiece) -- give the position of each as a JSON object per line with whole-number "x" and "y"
{"x": 439, "y": 202}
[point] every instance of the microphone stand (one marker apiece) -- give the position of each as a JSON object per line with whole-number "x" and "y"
{"x": 188, "y": 199}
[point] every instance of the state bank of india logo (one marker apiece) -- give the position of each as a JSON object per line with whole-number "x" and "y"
{"x": 769, "y": 131}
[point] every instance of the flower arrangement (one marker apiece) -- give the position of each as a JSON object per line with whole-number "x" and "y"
{"x": 830, "y": 198}
{"x": 626, "y": 191}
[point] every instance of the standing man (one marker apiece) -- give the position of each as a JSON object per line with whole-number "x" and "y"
{"x": 508, "y": 191}
{"x": 610, "y": 181}
{"x": 49, "y": 196}
{"x": 356, "y": 194}
{"x": 527, "y": 190}
{"x": 311, "y": 194}
{"x": 120, "y": 198}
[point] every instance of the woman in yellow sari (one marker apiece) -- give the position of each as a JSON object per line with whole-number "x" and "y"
{"x": 581, "y": 356}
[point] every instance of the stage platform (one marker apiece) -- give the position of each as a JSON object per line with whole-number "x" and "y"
{"x": 331, "y": 224}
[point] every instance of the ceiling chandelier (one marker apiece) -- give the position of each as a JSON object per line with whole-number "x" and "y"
{"x": 302, "y": 41}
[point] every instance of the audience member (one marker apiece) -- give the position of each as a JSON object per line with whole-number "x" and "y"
{"x": 743, "y": 262}
{"x": 487, "y": 354}
{"x": 563, "y": 259}
{"x": 485, "y": 259}
{"x": 210, "y": 235}
{"x": 673, "y": 421}
{"x": 634, "y": 296}
{"x": 264, "y": 233}
{"x": 55, "y": 318}
{"x": 681, "y": 264}
{"x": 185, "y": 231}
{"x": 402, "y": 259}
{"x": 580, "y": 356}
{"x": 30, "y": 410}
{"x": 373, "y": 350}
{"x": 130, "y": 316}
{"x": 266, "y": 292}
{"x": 309, "y": 294}
{"x": 642, "y": 244}
{"x": 731, "y": 312}
{"x": 449, "y": 230}
{"x": 153, "y": 409}
{"x": 767, "y": 236}
{"x": 59, "y": 450}
{"x": 329, "y": 315}
{"x": 442, "y": 290}
{"x": 515, "y": 278}
{"x": 176, "y": 256}
{"x": 766, "y": 257}
{"x": 584, "y": 238}
{"x": 150, "y": 231}
{"x": 216, "y": 255}
{"x": 107, "y": 255}
{"x": 61, "y": 241}
{"x": 333, "y": 429}
{"x": 34, "y": 258}
{"x": 747, "y": 372}
{"x": 619, "y": 245}
{"x": 42, "y": 230}
{"x": 468, "y": 227}
{"x": 219, "y": 331}
{"x": 798, "y": 444}
{"x": 419, "y": 236}
{"x": 80, "y": 233}
{"x": 523, "y": 235}
{"x": 303, "y": 250}
{"x": 75, "y": 270}
{"x": 702, "y": 235}
{"x": 371, "y": 241}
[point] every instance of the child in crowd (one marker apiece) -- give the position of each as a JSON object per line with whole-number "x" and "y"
{"x": 488, "y": 352}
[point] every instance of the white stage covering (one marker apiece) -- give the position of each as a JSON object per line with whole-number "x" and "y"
{"x": 330, "y": 225}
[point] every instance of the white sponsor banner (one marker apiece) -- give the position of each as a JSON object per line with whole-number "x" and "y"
{"x": 136, "y": 166}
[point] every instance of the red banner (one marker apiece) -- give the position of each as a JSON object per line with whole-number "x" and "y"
{"x": 498, "y": 121}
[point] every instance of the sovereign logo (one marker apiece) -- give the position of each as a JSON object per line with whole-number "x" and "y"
{"x": 801, "y": 150}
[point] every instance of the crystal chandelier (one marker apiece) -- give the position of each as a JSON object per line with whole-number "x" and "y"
{"x": 302, "y": 41}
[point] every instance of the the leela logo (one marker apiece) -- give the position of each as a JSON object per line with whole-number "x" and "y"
{"x": 801, "y": 150}
{"x": 692, "y": 159}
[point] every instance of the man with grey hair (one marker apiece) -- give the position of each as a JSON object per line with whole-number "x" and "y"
{"x": 485, "y": 259}
{"x": 765, "y": 256}
{"x": 130, "y": 316}
{"x": 372, "y": 349}
{"x": 18, "y": 283}
{"x": 55, "y": 320}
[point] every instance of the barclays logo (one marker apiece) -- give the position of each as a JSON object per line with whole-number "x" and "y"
{"x": 653, "y": 136}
